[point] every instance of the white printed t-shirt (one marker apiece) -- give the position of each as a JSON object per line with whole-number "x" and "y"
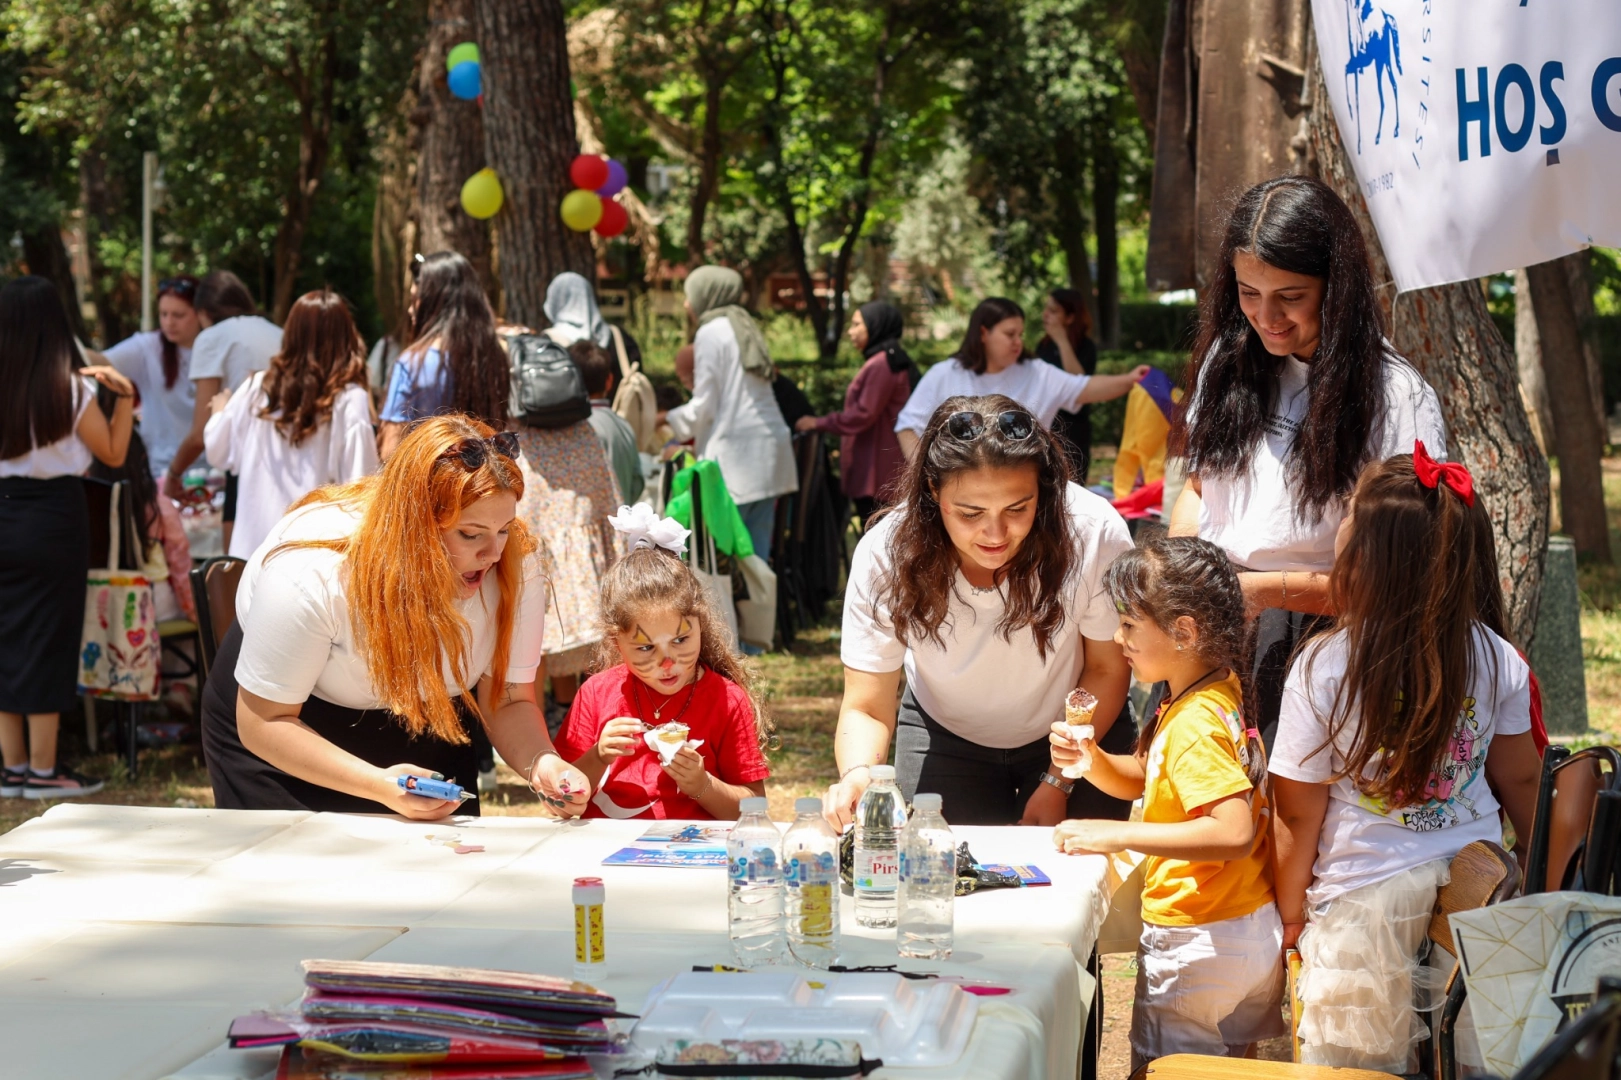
{"x": 1364, "y": 840}
{"x": 1035, "y": 384}
{"x": 988, "y": 690}
{"x": 1251, "y": 515}
{"x": 166, "y": 411}
{"x": 297, "y": 641}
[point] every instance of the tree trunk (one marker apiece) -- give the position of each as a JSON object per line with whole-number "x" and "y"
{"x": 47, "y": 257}
{"x": 450, "y": 146}
{"x": 708, "y": 169}
{"x": 314, "y": 89}
{"x": 394, "y": 232}
{"x": 1528, "y": 357}
{"x": 1578, "y": 270}
{"x": 1447, "y": 333}
{"x": 1070, "y": 215}
{"x": 529, "y": 141}
{"x": 97, "y": 203}
{"x": 1577, "y": 434}
{"x": 1105, "y": 215}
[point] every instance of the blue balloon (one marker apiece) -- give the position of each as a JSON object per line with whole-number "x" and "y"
{"x": 616, "y": 180}
{"x": 466, "y": 81}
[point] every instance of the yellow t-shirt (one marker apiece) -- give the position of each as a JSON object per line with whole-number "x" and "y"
{"x": 1196, "y": 758}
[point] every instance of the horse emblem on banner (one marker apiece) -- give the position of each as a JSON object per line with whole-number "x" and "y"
{"x": 1373, "y": 42}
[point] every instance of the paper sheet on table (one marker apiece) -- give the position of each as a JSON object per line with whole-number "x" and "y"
{"x": 1531, "y": 964}
{"x": 1123, "y": 925}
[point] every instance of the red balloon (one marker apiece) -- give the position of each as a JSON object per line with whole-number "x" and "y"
{"x": 589, "y": 171}
{"x": 614, "y": 219}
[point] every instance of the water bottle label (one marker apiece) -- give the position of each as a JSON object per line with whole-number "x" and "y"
{"x": 877, "y": 870}
{"x": 588, "y": 933}
{"x": 809, "y": 868}
{"x": 933, "y": 868}
{"x": 759, "y": 864}
{"x": 816, "y": 910}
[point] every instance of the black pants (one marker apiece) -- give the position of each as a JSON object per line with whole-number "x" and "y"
{"x": 980, "y": 785}
{"x": 244, "y": 781}
{"x": 1278, "y": 635}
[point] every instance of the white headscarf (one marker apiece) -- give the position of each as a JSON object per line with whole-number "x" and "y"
{"x": 571, "y": 305}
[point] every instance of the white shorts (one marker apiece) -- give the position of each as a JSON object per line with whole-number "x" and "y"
{"x": 1362, "y": 980}
{"x": 1210, "y": 989}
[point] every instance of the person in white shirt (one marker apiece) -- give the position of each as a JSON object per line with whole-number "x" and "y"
{"x": 733, "y": 415}
{"x": 992, "y": 359}
{"x": 376, "y": 625}
{"x": 303, "y": 423}
{"x": 233, "y": 344}
{"x": 1294, "y": 389}
{"x": 158, "y": 362}
{"x": 49, "y": 433}
{"x": 983, "y": 587}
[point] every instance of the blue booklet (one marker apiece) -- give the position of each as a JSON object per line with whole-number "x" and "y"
{"x": 668, "y": 856}
{"x": 1027, "y": 875}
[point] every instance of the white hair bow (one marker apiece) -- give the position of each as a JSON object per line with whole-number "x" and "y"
{"x": 641, "y": 527}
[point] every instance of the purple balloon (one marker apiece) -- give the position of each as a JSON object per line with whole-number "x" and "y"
{"x": 616, "y": 180}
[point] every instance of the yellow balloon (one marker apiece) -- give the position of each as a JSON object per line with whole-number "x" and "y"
{"x": 481, "y": 194}
{"x": 582, "y": 209}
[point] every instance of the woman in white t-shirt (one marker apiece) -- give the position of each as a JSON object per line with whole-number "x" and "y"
{"x": 992, "y": 360}
{"x": 376, "y": 625}
{"x": 303, "y": 423}
{"x": 983, "y": 586}
{"x": 1402, "y": 735}
{"x": 158, "y": 362}
{"x": 1294, "y": 390}
{"x": 49, "y": 433}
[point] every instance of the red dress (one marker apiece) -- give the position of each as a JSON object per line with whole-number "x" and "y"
{"x": 720, "y": 714}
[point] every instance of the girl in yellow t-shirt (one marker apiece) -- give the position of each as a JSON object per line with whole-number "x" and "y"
{"x": 1209, "y": 977}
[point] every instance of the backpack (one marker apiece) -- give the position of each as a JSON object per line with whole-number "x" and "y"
{"x": 548, "y": 390}
{"x": 634, "y": 400}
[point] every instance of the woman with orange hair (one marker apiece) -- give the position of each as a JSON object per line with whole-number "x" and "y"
{"x": 365, "y": 624}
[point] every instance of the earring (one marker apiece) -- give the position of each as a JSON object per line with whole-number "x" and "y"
{"x": 1179, "y": 648}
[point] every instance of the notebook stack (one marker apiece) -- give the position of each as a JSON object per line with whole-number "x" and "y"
{"x": 427, "y": 1022}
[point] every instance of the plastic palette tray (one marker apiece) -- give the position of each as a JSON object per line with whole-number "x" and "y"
{"x": 903, "y": 1021}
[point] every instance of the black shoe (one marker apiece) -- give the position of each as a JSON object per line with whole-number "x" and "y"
{"x": 61, "y": 784}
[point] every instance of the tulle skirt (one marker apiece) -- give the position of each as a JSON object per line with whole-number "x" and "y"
{"x": 1363, "y": 982}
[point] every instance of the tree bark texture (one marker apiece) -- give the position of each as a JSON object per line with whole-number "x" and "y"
{"x": 529, "y": 141}
{"x": 1528, "y": 357}
{"x": 449, "y": 136}
{"x": 1578, "y": 437}
{"x": 1105, "y": 219}
{"x": 1447, "y": 333}
{"x": 1070, "y": 215}
{"x": 393, "y": 223}
{"x": 1578, "y": 270}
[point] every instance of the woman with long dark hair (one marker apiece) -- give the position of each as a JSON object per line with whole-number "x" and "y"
{"x": 984, "y": 585}
{"x": 1294, "y": 390}
{"x": 49, "y": 434}
{"x": 991, "y": 360}
{"x": 454, "y": 361}
{"x": 303, "y": 423}
{"x": 870, "y": 458}
{"x": 1068, "y": 344}
{"x": 158, "y": 362}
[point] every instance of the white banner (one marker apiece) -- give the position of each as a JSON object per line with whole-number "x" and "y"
{"x": 1486, "y": 134}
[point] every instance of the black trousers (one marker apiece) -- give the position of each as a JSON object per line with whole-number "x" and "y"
{"x": 981, "y": 785}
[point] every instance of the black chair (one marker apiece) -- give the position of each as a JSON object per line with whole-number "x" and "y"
{"x": 1577, "y": 793}
{"x": 1589, "y": 1049}
{"x": 213, "y": 587}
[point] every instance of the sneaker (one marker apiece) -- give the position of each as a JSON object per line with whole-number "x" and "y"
{"x": 63, "y": 783}
{"x": 12, "y": 782}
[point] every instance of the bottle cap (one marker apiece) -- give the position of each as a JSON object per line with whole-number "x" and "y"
{"x": 809, "y": 805}
{"x": 882, "y": 772}
{"x": 754, "y": 804}
{"x": 587, "y": 882}
{"x": 924, "y": 801}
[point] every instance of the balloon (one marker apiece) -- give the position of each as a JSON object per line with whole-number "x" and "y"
{"x": 581, "y": 210}
{"x": 616, "y": 180}
{"x": 589, "y": 172}
{"x": 460, "y": 54}
{"x": 466, "y": 80}
{"x": 613, "y": 220}
{"x": 481, "y": 194}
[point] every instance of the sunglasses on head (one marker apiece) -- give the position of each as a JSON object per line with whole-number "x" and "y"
{"x": 473, "y": 453}
{"x": 184, "y": 287}
{"x": 1013, "y": 425}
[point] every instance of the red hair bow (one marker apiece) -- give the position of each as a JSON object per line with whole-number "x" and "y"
{"x": 1431, "y": 472}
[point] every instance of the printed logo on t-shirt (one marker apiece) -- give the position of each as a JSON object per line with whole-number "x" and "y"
{"x": 1446, "y": 798}
{"x": 1282, "y": 427}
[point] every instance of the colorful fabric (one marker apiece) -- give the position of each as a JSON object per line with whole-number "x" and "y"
{"x": 1199, "y": 755}
{"x": 1142, "y": 439}
{"x": 569, "y": 492}
{"x": 721, "y": 517}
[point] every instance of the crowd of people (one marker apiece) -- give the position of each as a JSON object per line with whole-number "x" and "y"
{"x": 1337, "y": 708}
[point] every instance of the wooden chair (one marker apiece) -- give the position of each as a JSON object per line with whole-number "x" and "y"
{"x": 213, "y": 586}
{"x": 1482, "y": 874}
{"x": 1566, "y": 799}
{"x": 1589, "y": 1049}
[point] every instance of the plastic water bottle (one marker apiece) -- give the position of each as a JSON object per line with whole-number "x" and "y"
{"x": 754, "y": 865}
{"x": 810, "y": 851}
{"x": 880, "y": 816}
{"x": 928, "y": 888}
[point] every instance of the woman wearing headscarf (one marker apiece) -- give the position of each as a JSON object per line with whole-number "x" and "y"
{"x": 870, "y": 455}
{"x": 571, "y": 308}
{"x": 733, "y": 416}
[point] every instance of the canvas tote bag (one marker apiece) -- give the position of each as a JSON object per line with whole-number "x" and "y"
{"x": 119, "y": 648}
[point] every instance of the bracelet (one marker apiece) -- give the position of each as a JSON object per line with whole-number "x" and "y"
{"x": 1058, "y": 782}
{"x": 843, "y": 775}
